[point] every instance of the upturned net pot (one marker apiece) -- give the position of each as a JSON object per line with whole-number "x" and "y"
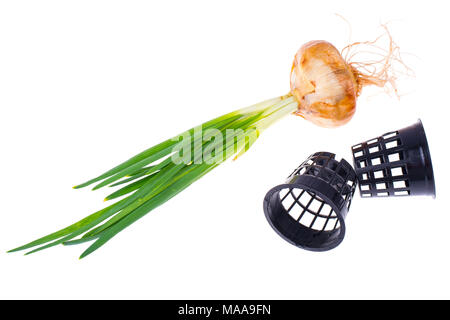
{"x": 310, "y": 208}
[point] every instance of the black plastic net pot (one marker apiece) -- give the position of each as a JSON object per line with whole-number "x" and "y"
{"x": 397, "y": 163}
{"x": 309, "y": 209}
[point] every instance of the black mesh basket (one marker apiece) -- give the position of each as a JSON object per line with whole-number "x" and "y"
{"x": 397, "y": 163}
{"x": 309, "y": 209}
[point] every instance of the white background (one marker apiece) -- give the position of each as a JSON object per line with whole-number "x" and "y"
{"x": 85, "y": 85}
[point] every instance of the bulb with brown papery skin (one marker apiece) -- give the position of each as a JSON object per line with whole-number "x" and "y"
{"x": 324, "y": 85}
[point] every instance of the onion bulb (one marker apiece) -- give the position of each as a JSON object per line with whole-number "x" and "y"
{"x": 324, "y": 85}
